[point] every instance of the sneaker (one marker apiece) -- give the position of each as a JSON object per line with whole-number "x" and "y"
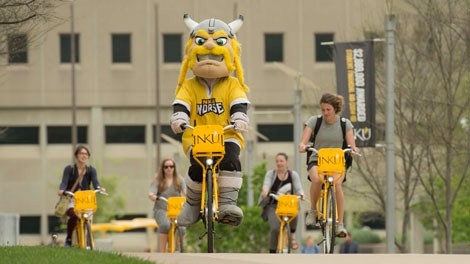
{"x": 341, "y": 231}
{"x": 311, "y": 218}
{"x": 68, "y": 242}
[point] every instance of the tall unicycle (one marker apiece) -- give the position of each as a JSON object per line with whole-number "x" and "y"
{"x": 330, "y": 224}
{"x": 210, "y": 212}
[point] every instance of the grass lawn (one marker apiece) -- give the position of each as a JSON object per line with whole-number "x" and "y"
{"x": 52, "y": 255}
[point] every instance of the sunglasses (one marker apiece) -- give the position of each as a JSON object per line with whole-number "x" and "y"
{"x": 170, "y": 166}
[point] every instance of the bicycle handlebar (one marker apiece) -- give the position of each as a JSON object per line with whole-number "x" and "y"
{"x": 71, "y": 194}
{"x": 346, "y": 150}
{"x": 276, "y": 196}
{"x": 184, "y": 126}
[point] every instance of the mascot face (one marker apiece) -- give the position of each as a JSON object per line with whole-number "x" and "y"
{"x": 212, "y": 50}
{"x": 210, "y": 55}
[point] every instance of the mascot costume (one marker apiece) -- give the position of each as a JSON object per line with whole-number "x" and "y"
{"x": 212, "y": 96}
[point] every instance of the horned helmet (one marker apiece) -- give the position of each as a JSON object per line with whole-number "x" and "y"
{"x": 212, "y": 50}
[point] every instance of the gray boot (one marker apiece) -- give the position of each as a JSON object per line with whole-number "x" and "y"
{"x": 230, "y": 183}
{"x": 190, "y": 213}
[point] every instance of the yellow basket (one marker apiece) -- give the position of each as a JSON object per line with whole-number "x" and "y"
{"x": 287, "y": 205}
{"x": 85, "y": 201}
{"x": 331, "y": 161}
{"x": 175, "y": 204}
{"x": 208, "y": 140}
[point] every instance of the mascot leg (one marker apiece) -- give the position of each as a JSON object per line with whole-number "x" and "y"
{"x": 230, "y": 183}
{"x": 190, "y": 212}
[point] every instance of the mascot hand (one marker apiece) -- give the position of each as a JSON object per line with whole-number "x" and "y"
{"x": 178, "y": 120}
{"x": 240, "y": 125}
{"x": 176, "y": 126}
{"x": 240, "y": 121}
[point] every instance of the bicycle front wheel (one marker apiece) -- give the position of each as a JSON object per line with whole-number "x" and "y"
{"x": 88, "y": 236}
{"x": 210, "y": 212}
{"x": 330, "y": 224}
{"x": 284, "y": 240}
{"x": 175, "y": 240}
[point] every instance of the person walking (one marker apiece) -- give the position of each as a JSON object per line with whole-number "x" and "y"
{"x": 349, "y": 245}
{"x": 281, "y": 180}
{"x": 167, "y": 183}
{"x": 76, "y": 177}
{"x": 310, "y": 246}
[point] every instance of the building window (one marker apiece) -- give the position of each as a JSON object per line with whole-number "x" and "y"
{"x": 30, "y": 224}
{"x": 28, "y": 135}
{"x": 121, "y": 48}
{"x": 125, "y": 134}
{"x": 323, "y": 53}
{"x": 65, "y": 48}
{"x": 63, "y": 134}
{"x": 172, "y": 48}
{"x": 17, "y": 48}
{"x": 273, "y": 48}
{"x": 277, "y": 132}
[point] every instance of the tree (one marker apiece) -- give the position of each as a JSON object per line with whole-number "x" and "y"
{"x": 431, "y": 104}
{"x": 28, "y": 17}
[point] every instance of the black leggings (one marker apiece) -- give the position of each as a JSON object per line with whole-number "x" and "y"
{"x": 230, "y": 162}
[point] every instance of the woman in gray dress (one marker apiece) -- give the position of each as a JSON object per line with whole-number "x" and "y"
{"x": 167, "y": 184}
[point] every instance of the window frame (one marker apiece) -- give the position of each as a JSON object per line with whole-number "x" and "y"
{"x": 121, "y": 52}
{"x": 273, "y": 47}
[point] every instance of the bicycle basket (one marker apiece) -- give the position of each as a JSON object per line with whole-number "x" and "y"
{"x": 287, "y": 205}
{"x": 85, "y": 201}
{"x": 175, "y": 204}
{"x": 331, "y": 161}
{"x": 208, "y": 140}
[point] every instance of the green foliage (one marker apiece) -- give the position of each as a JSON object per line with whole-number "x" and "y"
{"x": 59, "y": 255}
{"x": 251, "y": 236}
{"x": 365, "y": 236}
{"x": 109, "y": 206}
{"x": 461, "y": 215}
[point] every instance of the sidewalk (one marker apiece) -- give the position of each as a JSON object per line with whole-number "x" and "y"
{"x": 229, "y": 258}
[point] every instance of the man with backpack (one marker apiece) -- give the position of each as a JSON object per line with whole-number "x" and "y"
{"x": 327, "y": 131}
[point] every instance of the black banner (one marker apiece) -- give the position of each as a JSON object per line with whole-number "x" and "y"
{"x": 355, "y": 78}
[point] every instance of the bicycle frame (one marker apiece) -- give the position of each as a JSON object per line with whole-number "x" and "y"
{"x": 85, "y": 206}
{"x": 175, "y": 204}
{"x": 286, "y": 210}
{"x": 331, "y": 166}
{"x": 208, "y": 150}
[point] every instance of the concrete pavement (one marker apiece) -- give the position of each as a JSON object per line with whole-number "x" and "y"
{"x": 238, "y": 258}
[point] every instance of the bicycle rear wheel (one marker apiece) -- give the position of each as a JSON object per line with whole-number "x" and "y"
{"x": 88, "y": 236}
{"x": 284, "y": 240}
{"x": 210, "y": 212}
{"x": 330, "y": 223}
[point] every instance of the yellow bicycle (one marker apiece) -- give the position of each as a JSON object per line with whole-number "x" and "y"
{"x": 286, "y": 210}
{"x": 84, "y": 207}
{"x": 331, "y": 166}
{"x": 175, "y": 234}
{"x": 208, "y": 150}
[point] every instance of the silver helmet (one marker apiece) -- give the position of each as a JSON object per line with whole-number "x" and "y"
{"x": 212, "y": 25}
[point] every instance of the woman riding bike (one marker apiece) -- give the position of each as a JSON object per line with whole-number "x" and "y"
{"x": 329, "y": 136}
{"x": 167, "y": 184}
{"x": 280, "y": 181}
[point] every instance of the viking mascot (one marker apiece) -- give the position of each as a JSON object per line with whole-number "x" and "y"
{"x": 212, "y": 96}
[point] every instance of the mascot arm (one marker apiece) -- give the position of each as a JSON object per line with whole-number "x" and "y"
{"x": 239, "y": 117}
{"x": 180, "y": 116}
